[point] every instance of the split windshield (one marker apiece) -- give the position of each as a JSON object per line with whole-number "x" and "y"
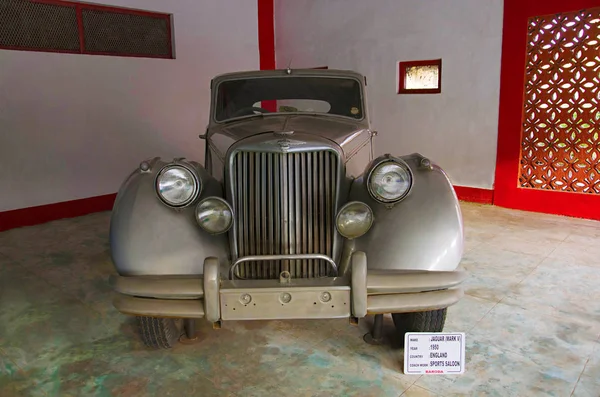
{"x": 289, "y": 94}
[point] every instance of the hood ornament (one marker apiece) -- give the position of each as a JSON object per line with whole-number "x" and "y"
{"x": 285, "y": 143}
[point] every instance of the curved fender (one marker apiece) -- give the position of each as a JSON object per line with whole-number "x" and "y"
{"x": 149, "y": 238}
{"x": 424, "y": 231}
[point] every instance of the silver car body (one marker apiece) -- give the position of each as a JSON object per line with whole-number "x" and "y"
{"x": 169, "y": 266}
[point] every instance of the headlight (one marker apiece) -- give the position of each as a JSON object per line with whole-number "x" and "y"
{"x": 354, "y": 219}
{"x": 389, "y": 182}
{"x": 177, "y": 186}
{"x": 214, "y": 215}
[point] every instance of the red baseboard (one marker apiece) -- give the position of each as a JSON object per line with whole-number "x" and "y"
{"x": 71, "y": 209}
{"x": 51, "y": 212}
{"x": 474, "y": 194}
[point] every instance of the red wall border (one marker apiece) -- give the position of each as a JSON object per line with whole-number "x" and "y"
{"x": 474, "y": 194}
{"x": 70, "y": 209}
{"x": 266, "y": 42}
{"x": 266, "y": 34}
{"x": 51, "y": 212}
{"x": 512, "y": 84}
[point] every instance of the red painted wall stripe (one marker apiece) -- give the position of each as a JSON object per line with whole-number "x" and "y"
{"x": 266, "y": 34}
{"x": 51, "y": 212}
{"x": 266, "y": 42}
{"x": 474, "y": 195}
{"x": 74, "y": 208}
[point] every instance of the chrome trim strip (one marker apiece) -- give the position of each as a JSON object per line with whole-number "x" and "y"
{"x": 191, "y": 308}
{"x": 310, "y": 191}
{"x": 281, "y": 257}
{"x": 163, "y": 287}
{"x": 303, "y": 201}
{"x": 298, "y": 216}
{"x": 321, "y": 209}
{"x": 216, "y": 150}
{"x": 285, "y": 215}
{"x": 416, "y": 302}
{"x": 353, "y": 153}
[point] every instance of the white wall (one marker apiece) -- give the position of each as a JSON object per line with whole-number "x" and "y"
{"x": 74, "y": 126}
{"x": 458, "y": 128}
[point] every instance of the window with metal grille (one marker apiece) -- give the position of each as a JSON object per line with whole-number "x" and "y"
{"x": 80, "y": 28}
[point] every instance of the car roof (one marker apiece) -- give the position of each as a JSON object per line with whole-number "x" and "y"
{"x": 288, "y": 72}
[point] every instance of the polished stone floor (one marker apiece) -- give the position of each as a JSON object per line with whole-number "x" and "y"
{"x": 531, "y": 315}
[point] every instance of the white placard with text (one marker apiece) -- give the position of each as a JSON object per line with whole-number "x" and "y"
{"x": 434, "y": 353}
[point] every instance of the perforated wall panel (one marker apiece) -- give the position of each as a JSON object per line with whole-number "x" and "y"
{"x": 67, "y": 26}
{"x": 125, "y": 34}
{"x": 30, "y": 25}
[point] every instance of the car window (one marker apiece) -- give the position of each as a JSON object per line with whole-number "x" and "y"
{"x": 246, "y": 97}
{"x": 300, "y": 105}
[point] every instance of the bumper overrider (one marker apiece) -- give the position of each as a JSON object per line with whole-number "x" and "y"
{"x": 360, "y": 293}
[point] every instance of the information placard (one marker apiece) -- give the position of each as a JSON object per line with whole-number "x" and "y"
{"x": 434, "y": 353}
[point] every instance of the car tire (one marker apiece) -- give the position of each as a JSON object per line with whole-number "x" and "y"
{"x": 429, "y": 321}
{"x": 160, "y": 333}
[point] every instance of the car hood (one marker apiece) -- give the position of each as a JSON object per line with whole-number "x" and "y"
{"x": 348, "y": 134}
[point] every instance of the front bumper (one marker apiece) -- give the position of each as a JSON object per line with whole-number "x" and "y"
{"x": 364, "y": 292}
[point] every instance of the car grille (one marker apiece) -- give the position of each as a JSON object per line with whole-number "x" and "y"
{"x": 284, "y": 203}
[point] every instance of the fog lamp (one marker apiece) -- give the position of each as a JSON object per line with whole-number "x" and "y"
{"x": 214, "y": 215}
{"x": 354, "y": 219}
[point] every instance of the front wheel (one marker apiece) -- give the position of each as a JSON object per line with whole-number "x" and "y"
{"x": 429, "y": 321}
{"x": 160, "y": 333}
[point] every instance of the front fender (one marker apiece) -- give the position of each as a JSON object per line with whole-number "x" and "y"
{"x": 149, "y": 238}
{"x": 424, "y": 231}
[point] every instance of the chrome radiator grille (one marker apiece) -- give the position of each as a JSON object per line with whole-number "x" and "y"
{"x": 284, "y": 203}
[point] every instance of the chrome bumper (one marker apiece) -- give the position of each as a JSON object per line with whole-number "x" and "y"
{"x": 364, "y": 292}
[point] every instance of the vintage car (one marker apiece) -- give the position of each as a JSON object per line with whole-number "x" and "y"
{"x": 290, "y": 217}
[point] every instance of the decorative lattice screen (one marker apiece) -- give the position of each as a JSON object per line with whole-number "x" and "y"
{"x": 561, "y": 123}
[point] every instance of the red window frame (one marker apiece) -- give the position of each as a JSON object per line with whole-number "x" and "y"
{"x": 79, "y": 7}
{"x": 402, "y": 66}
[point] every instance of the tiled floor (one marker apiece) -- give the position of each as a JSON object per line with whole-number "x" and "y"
{"x": 531, "y": 314}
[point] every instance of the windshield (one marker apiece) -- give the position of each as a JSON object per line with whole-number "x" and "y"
{"x": 339, "y": 96}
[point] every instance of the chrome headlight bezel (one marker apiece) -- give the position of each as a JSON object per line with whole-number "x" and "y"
{"x": 223, "y": 201}
{"x": 385, "y": 161}
{"x": 195, "y": 178}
